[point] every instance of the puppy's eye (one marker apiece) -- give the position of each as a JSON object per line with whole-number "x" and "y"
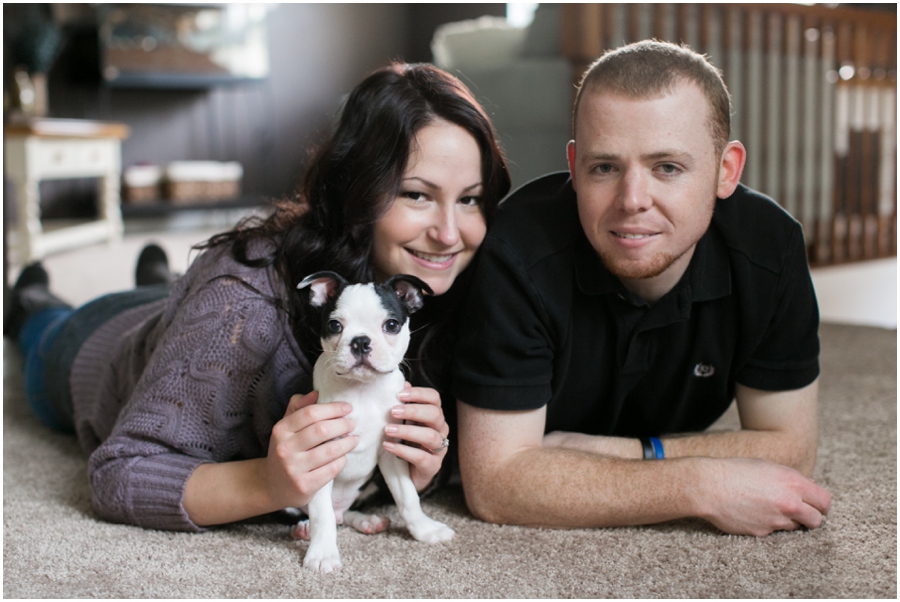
{"x": 334, "y": 327}
{"x": 392, "y": 326}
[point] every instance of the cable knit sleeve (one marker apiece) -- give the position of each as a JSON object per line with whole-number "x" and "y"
{"x": 197, "y": 400}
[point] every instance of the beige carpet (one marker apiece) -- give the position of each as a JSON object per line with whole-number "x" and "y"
{"x": 54, "y": 547}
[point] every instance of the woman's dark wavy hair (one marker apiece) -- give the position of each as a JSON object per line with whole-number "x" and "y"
{"x": 354, "y": 177}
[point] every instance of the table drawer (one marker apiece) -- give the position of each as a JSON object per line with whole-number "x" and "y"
{"x": 74, "y": 158}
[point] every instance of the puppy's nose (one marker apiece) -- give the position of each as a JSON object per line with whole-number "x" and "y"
{"x": 361, "y": 345}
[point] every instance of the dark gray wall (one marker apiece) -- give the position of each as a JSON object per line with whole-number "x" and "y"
{"x": 318, "y": 52}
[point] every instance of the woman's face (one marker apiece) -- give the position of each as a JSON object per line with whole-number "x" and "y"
{"x": 435, "y": 224}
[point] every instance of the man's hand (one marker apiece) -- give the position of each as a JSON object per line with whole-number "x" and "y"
{"x": 757, "y": 497}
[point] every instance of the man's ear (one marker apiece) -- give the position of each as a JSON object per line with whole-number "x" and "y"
{"x": 570, "y": 154}
{"x": 730, "y": 168}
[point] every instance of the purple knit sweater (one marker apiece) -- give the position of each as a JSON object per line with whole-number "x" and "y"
{"x": 201, "y": 376}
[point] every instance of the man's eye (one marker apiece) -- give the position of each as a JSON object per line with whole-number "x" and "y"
{"x": 603, "y": 168}
{"x": 668, "y": 168}
{"x": 334, "y": 327}
{"x": 392, "y": 326}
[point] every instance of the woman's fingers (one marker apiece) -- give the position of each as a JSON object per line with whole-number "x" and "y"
{"x": 416, "y": 456}
{"x": 425, "y": 437}
{"x": 313, "y": 436}
{"x": 423, "y": 406}
{"x": 426, "y": 395}
{"x": 312, "y": 415}
{"x": 328, "y": 454}
{"x": 300, "y": 400}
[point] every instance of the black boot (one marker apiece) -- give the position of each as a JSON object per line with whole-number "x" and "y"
{"x": 30, "y": 295}
{"x": 153, "y": 267}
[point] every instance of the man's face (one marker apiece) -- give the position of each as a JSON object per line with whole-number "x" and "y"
{"x": 646, "y": 175}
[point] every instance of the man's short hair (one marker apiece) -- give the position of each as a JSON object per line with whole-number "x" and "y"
{"x": 649, "y": 69}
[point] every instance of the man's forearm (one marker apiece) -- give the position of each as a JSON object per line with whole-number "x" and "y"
{"x": 778, "y": 447}
{"x": 560, "y": 487}
{"x": 779, "y": 426}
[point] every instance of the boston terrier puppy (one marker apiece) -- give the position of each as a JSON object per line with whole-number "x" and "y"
{"x": 364, "y": 334}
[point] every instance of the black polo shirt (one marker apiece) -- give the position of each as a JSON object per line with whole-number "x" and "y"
{"x": 546, "y": 323}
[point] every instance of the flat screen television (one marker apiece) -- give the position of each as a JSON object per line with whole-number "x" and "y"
{"x": 183, "y": 45}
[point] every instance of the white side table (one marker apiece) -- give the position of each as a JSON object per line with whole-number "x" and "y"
{"x": 43, "y": 149}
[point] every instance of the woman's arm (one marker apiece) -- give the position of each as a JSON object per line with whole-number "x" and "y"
{"x": 201, "y": 399}
{"x": 307, "y": 449}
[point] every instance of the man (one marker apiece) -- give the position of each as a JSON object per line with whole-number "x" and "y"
{"x": 615, "y": 314}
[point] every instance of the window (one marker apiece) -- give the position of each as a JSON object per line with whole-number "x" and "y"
{"x": 520, "y": 14}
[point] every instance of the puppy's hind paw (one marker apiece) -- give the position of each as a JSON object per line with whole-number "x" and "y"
{"x": 368, "y": 524}
{"x": 431, "y": 531}
{"x": 300, "y": 531}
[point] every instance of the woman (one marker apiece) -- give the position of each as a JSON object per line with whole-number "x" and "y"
{"x": 197, "y": 419}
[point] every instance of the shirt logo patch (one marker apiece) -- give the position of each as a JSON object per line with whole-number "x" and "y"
{"x": 704, "y": 370}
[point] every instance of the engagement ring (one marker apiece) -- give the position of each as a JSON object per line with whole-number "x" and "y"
{"x": 444, "y": 444}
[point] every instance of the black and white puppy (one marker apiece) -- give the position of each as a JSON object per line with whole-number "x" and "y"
{"x": 365, "y": 333}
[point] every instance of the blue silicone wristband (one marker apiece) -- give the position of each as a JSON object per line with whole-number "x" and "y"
{"x": 657, "y": 448}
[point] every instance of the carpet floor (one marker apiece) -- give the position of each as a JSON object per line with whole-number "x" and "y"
{"x": 54, "y": 546}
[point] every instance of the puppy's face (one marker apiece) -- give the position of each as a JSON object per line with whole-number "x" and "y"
{"x": 365, "y": 327}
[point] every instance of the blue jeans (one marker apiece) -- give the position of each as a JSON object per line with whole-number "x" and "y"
{"x": 50, "y": 340}
{"x": 35, "y": 342}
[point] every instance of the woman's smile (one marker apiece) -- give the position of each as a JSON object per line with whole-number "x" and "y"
{"x": 438, "y": 260}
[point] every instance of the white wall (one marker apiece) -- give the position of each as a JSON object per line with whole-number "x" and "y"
{"x": 858, "y": 293}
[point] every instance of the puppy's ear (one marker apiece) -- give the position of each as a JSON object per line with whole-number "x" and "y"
{"x": 322, "y": 286}
{"x": 410, "y": 290}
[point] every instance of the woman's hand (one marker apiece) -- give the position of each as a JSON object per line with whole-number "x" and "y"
{"x": 307, "y": 449}
{"x": 304, "y": 454}
{"x": 425, "y": 430}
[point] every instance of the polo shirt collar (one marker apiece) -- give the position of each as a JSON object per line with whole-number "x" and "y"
{"x": 710, "y": 271}
{"x": 708, "y": 275}
{"x": 592, "y": 276}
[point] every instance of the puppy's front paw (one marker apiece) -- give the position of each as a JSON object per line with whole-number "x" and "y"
{"x": 431, "y": 531}
{"x": 322, "y": 560}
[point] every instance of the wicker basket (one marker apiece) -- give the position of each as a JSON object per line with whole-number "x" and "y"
{"x": 141, "y": 184}
{"x": 202, "y": 181}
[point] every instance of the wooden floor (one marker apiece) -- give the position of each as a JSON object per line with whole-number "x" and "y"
{"x": 81, "y": 274}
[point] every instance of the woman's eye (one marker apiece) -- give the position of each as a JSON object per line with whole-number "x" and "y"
{"x": 391, "y": 326}
{"x": 334, "y": 327}
{"x": 414, "y": 196}
{"x": 471, "y": 201}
